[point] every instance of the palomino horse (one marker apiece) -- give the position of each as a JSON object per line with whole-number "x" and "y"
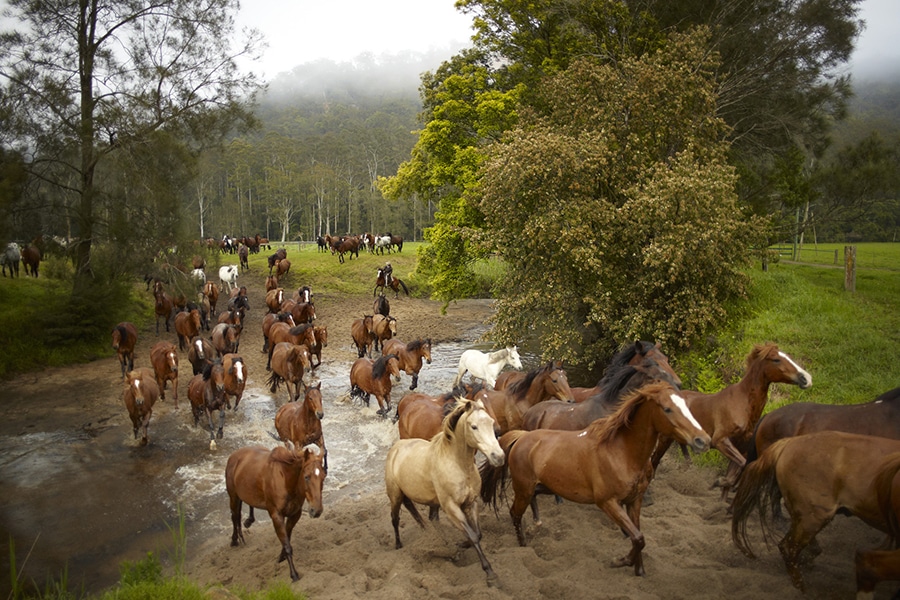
{"x": 362, "y": 335}
{"x": 290, "y": 362}
{"x": 620, "y": 379}
{"x": 207, "y": 395}
{"x": 187, "y": 326}
{"x": 383, "y": 328}
{"x": 374, "y": 377}
{"x": 882, "y": 564}
{"x": 441, "y": 473}
{"x": 411, "y": 356}
{"x": 817, "y": 476}
{"x": 606, "y": 464}
{"x": 880, "y": 417}
{"x": 731, "y": 414}
{"x": 304, "y": 334}
{"x": 236, "y": 374}
{"x": 139, "y": 396}
{"x": 279, "y": 481}
{"x": 396, "y": 284}
{"x": 164, "y": 358}
{"x": 508, "y": 406}
{"x": 487, "y": 366}
{"x": 270, "y": 319}
{"x": 124, "y": 337}
{"x": 201, "y": 354}
{"x": 301, "y": 422}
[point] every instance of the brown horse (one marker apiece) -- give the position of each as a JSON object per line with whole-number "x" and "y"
{"x": 321, "y": 334}
{"x": 348, "y": 245}
{"x": 374, "y": 377}
{"x": 124, "y": 338}
{"x": 206, "y": 392}
{"x": 226, "y": 338}
{"x": 211, "y": 290}
{"x": 620, "y": 379}
{"x": 420, "y": 415}
{"x": 290, "y": 362}
{"x": 817, "y": 476}
{"x": 282, "y": 268}
{"x": 280, "y": 254}
{"x": 730, "y": 415}
{"x": 163, "y": 306}
{"x": 301, "y": 422}
{"x": 200, "y": 354}
{"x": 236, "y": 374}
{"x": 274, "y": 298}
{"x": 304, "y": 334}
{"x": 164, "y": 358}
{"x": 381, "y": 306}
{"x": 187, "y": 326}
{"x": 231, "y": 316}
{"x": 31, "y": 259}
{"x": 880, "y": 417}
{"x": 270, "y": 319}
{"x": 271, "y": 283}
{"x": 303, "y": 312}
{"x": 302, "y": 294}
{"x": 205, "y": 310}
{"x": 279, "y": 481}
{"x": 441, "y": 472}
{"x": 396, "y": 284}
{"x": 411, "y": 356}
{"x": 542, "y": 383}
{"x": 606, "y": 464}
{"x": 882, "y": 564}
{"x": 139, "y": 396}
{"x": 362, "y": 335}
{"x": 383, "y": 328}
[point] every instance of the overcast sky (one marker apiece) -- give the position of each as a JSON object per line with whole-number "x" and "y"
{"x": 300, "y": 31}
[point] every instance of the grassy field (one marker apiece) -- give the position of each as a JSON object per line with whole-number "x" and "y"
{"x": 868, "y": 255}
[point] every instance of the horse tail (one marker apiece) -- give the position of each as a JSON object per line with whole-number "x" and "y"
{"x": 752, "y": 454}
{"x": 757, "y": 489}
{"x": 494, "y": 479}
{"x": 403, "y": 285}
{"x": 273, "y": 381}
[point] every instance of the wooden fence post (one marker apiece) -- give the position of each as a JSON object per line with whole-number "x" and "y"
{"x": 850, "y": 268}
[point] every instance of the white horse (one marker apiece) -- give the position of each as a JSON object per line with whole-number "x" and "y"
{"x": 441, "y": 472}
{"x": 487, "y": 366}
{"x": 382, "y": 243}
{"x": 199, "y": 277}
{"x": 10, "y": 258}
{"x": 228, "y": 276}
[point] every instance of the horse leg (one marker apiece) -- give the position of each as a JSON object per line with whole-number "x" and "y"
{"x": 251, "y": 519}
{"x": 434, "y": 513}
{"x": 286, "y": 550}
{"x": 236, "y": 533}
{"x": 466, "y": 519}
{"x": 522, "y": 500}
{"x": 415, "y": 381}
{"x": 619, "y": 515}
{"x": 221, "y": 423}
{"x": 804, "y": 528}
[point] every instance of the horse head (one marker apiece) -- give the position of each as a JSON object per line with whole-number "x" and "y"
{"x": 313, "y": 400}
{"x": 513, "y": 357}
{"x": 778, "y": 367}
{"x": 477, "y": 429}
{"x": 312, "y": 477}
{"x": 674, "y": 417}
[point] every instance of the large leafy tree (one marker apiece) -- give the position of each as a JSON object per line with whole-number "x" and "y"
{"x": 614, "y": 207}
{"x": 84, "y": 79}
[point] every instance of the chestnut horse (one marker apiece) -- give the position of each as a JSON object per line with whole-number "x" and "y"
{"x": 882, "y": 564}
{"x": 420, "y": 415}
{"x": 274, "y": 298}
{"x": 280, "y": 254}
{"x": 321, "y": 334}
{"x": 303, "y": 312}
{"x": 270, "y": 319}
{"x": 880, "y": 417}
{"x": 605, "y": 464}
{"x": 207, "y": 395}
{"x": 164, "y": 358}
{"x": 236, "y": 374}
{"x": 304, "y": 334}
{"x": 279, "y": 481}
{"x": 163, "y": 306}
{"x": 411, "y": 356}
{"x": 124, "y": 337}
{"x": 289, "y": 364}
{"x": 441, "y": 472}
{"x": 374, "y": 377}
{"x": 362, "y": 335}
{"x": 730, "y": 415}
{"x": 211, "y": 290}
{"x": 383, "y": 328}
{"x": 139, "y": 396}
{"x": 301, "y": 422}
{"x": 542, "y": 383}
{"x": 187, "y": 326}
{"x": 816, "y": 476}
{"x": 282, "y": 268}
{"x": 620, "y": 379}
{"x": 225, "y": 338}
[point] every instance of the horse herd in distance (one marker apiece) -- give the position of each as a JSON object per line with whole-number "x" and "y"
{"x": 29, "y": 255}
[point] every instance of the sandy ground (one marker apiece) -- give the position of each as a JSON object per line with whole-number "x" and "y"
{"x": 349, "y": 551}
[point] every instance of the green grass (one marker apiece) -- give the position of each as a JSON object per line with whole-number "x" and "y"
{"x": 869, "y": 255}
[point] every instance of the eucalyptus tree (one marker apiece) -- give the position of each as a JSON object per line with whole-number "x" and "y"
{"x": 84, "y": 79}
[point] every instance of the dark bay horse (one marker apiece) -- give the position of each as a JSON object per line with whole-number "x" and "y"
{"x": 141, "y": 393}
{"x": 164, "y": 358}
{"x": 606, "y": 464}
{"x": 348, "y": 245}
{"x": 368, "y": 377}
{"x": 31, "y": 259}
{"x": 206, "y": 392}
{"x": 381, "y": 306}
{"x": 280, "y": 254}
{"x": 816, "y": 476}
{"x": 301, "y": 422}
{"x": 411, "y": 356}
{"x": 279, "y": 481}
{"x": 362, "y": 335}
{"x": 880, "y": 417}
{"x": 539, "y": 384}
{"x": 396, "y": 284}
{"x": 201, "y": 354}
{"x": 730, "y": 415}
{"x": 124, "y": 338}
{"x": 441, "y": 472}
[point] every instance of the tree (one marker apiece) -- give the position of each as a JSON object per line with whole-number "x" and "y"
{"x": 613, "y": 207}
{"x": 86, "y": 79}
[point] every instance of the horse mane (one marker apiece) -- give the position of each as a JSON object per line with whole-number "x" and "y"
{"x": 380, "y": 365}
{"x": 498, "y": 355}
{"x": 605, "y": 428}
{"x": 453, "y": 415}
{"x": 415, "y": 345}
{"x": 758, "y": 351}
{"x": 614, "y": 380}
{"x": 299, "y": 329}
{"x": 208, "y": 369}
{"x": 520, "y": 387}
{"x": 123, "y": 333}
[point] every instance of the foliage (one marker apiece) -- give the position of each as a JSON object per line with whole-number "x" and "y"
{"x": 614, "y": 208}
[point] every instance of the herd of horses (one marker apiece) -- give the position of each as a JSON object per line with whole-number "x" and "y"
{"x": 30, "y": 256}
{"x": 529, "y": 431}
{"x": 351, "y": 244}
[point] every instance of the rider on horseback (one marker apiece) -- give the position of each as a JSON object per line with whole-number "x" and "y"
{"x": 388, "y": 271}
